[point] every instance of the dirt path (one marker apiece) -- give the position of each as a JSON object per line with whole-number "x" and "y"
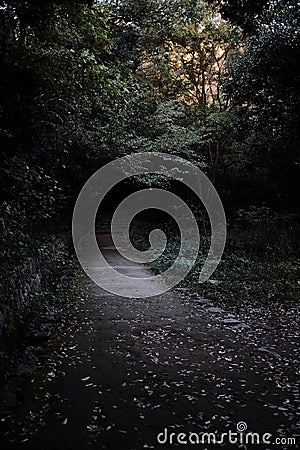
{"x": 129, "y": 368}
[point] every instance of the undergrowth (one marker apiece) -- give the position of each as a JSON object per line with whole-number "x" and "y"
{"x": 260, "y": 265}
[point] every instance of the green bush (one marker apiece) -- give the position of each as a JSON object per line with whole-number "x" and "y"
{"x": 260, "y": 265}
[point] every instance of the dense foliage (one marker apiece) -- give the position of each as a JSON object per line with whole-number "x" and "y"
{"x": 84, "y": 82}
{"x": 61, "y": 97}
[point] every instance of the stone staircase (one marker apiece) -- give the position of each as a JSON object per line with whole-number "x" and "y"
{"x": 103, "y": 225}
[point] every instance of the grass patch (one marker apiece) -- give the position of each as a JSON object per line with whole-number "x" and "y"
{"x": 260, "y": 266}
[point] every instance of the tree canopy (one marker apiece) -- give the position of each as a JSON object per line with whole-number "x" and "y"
{"x": 84, "y": 82}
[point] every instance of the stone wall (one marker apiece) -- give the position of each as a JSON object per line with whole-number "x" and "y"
{"x": 19, "y": 285}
